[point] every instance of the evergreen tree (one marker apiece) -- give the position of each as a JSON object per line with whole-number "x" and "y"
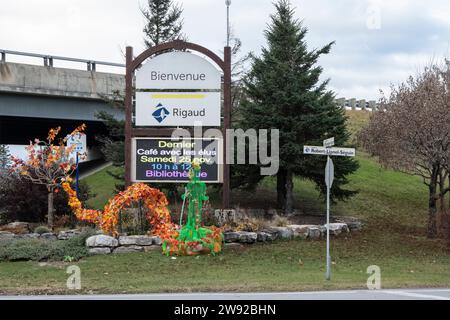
{"x": 283, "y": 91}
{"x": 163, "y": 22}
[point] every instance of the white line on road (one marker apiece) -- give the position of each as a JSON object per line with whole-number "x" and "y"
{"x": 416, "y": 295}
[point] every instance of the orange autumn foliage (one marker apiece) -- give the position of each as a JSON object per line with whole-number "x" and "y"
{"x": 154, "y": 200}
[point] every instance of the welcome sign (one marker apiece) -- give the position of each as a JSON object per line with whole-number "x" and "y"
{"x": 178, "y": 89}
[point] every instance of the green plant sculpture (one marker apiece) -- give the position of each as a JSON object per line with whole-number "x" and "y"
{"x": 192, "y": 238}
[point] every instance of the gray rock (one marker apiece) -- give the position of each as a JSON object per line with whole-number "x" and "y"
{"x": 6, "y": 235}
{"x": 102, "y": 241}
{"x": 128, "y": 249}
{"x": 97, "y": 251}
{"x": 355, "y": 225}
{"x": 16, "y": 227}
{"x": 247, "y": 237}
{"x": 136, "y": 241}
{"x": 27, "y": 236}
{"x": 231, "y": 237}
{"x": 157, "y": 241}
{"x": 315, "y": 232}
{"x": 263, "y": 236}
{"x": 284, "y": 232}
{"x": 300, "y": 231}
{"x": 49, "y": 236}
{"x": 66, "y": 235}
{"x": 337, "y": 228}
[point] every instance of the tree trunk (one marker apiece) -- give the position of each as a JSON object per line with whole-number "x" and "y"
{"x": 50, "y": 210}
{"x": 442, "y": 191}
{"x": 281, "y": 189}
{"x": 432, "y": 205}
{"x": 289, "y": 206}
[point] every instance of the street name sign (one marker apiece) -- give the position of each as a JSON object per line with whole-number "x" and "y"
{"x": 323, "y": 151}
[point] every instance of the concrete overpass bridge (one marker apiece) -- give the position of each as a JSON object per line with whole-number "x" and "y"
{"x": 34, "y": 98}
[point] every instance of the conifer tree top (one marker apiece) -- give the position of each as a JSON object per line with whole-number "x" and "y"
{"x": 163, "y": 22}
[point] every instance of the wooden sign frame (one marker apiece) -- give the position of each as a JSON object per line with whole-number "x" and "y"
{"x": 131, "y": 132}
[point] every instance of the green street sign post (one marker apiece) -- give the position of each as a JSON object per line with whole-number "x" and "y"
{"x": 328, "y": 150}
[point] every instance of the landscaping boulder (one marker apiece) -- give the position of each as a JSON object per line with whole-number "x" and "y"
{"x": 337, "y": 228}
{"x": 16, "y": 227}
{"x": 300, "y": 231}
{"x": 136, "y": 240}
{"x": 97, "y": 251}
{"x": 247, "y": 237}
{"x": 231, "y": 237}
{"x": 102, "y": 241}
{"x": 128, "y": 249}
{"x": 284, "y": 232}
{"x": 49, "y": 236}
{"x": 27, "y": 236}
{"x": 66, "y": 235}
{"x": 6, "y": 235}
{"x": 157, "y": 241}
{"x": 263, "y": 236}
{"x": 355, "y": 225}
{"x": 314, "y": 232}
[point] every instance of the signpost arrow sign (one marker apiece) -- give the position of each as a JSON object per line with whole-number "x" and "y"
{"x": 328, "y": 143}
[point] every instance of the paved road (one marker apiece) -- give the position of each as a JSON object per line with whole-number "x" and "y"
{"x": 404, "y": 294}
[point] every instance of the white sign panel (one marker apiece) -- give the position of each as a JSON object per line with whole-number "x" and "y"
{"x": 159, "y": 109}
{"x": 178, "y": 89}
{"x": 178, "y": 70}
{"x": 329, "y": 173}
{"x": 328, "y": 143}
{"x": 323, "y": 151}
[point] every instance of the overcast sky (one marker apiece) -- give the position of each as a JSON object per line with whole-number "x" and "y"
{"x": 378, "y": 42}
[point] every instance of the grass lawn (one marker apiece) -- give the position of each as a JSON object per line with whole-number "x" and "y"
{"x": 102, "y": 186}
{"x": 284, "y": 266}
{"x": 393, "y": 206}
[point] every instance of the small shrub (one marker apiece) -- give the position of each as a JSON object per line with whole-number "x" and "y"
{"x": 280, "y": 221}
{"x": 39, "y": 250}
{"x": 42, "y": 230}
{"x": 62, "y": 221}
{"x": 17, "y": 205}
{"x": 69, "y": 259}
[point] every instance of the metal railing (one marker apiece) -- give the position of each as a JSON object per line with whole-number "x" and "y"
{"x": 48, "y": 59}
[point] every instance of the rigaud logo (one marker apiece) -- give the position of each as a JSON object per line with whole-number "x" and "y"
{"x": 161, "y": 113}
{"x": 178, "y": 111}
